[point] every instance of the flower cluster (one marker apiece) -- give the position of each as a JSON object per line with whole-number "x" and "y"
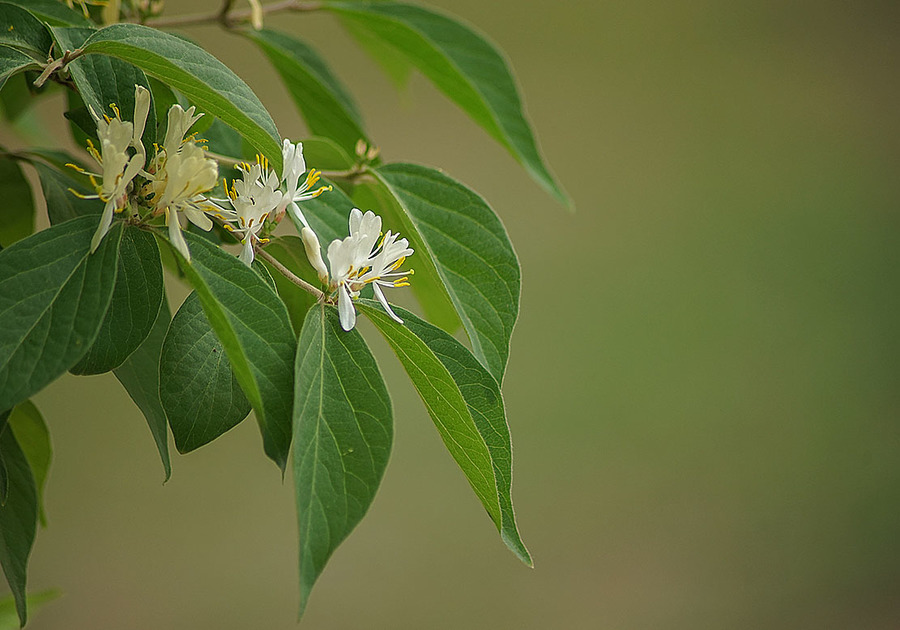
{"x": 176, "y": 180}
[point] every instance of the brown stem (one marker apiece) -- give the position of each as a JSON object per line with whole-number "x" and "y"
{"x": 228, "y": 18}
{"x": 287, "y": 273}
{"x": 53, "y": 66}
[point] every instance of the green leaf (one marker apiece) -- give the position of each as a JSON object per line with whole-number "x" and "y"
{"x": 33, "y": 437}
{"x": 9, "y": 619}
{"x": 23, "y": 31}
{"x": 393, "y": 62}
{"x": 466, "y": 405}
{"x": 53, "y": 296}
{"x": 222, "y": 139}
{"x": 464, "y": 66}
{"x": 105, "y": 81}
{"x": 62, "y": 204}
{"x": 53, "y": 12}
{"x": 139, "y": 375}
{"x": 13, "y": 61}
{"x": 327, "y": 214}
{"x": 324, "y": 154}
{"x": 136, "y": 300}
{"x": 470, "y": 251}
{"x": 202, "y": 78}
{"x": 343, "y": 430}
{"x": 197, "y": 387}
{"x": 326, "y": 106}
{"x": 16, "y": 100}
{"x": 17, "y": 210}
{"x": 18, "y": 519}
{"x": 289, "y": 251}
{"x": 254, "y": 327}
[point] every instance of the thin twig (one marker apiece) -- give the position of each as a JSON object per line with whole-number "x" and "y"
{"x": 228, "y": 18}
{"x": 53, "y": 66}
{"x": 223, "y": 159}
{"x": 287, "y": 273}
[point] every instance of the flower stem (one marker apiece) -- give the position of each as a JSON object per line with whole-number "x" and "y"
{"x": 228, "y": 18}
{"x": 287, "y": 273}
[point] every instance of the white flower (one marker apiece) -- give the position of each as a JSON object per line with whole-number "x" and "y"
{"x": 253, "y": 199}
{"x": 117, "y": 166}
{"x": 356, "y": 261}
{"x": 179, "y": 123}
{"x": 294, "y": 167}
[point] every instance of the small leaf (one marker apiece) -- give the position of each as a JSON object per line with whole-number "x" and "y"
{"x": 343, "y": 430}
{"x": 254, "y": 327}
{"x": 53, "y": 12}
{"x": 202, "y": 78}
{"x": 13, "y": 61}
{"x": 18, "y": 519}
{"x": 135, "y": 304}
{"x": 197, "y": 387}
{"x": 105, "y": 81}
{"x": 23, "y": 31}
{"x": 139, "y": 375}
{"x": 470, "y": 251}
{"x": 33, "y": 437}
{"x": 326, "y": 106}
{"x": 17, "y": 210}
{"x": 53, "y": 296}
{"x": 464, "y": 66}
{"x": 466, "y": 405}
{"x": 9, "y": 619}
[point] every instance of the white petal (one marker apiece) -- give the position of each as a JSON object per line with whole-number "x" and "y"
{"x": 175, "y": 235}
{"x": 198, "y": 218}
{"x": 346, "y": 310}
{"x": 105, "y": 222}
{"x": 295, "y": 210}
{"x": 246, "y": 255}
{"x": 355, "y": 219}
{"x": 387, "y": 307}
{"x": 314, "y": 253}
{"x": 141, "y": 109}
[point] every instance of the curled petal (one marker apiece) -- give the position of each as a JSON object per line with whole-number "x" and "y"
{"x": 295, "y": 210}
{"x": 387, "y": 307}
{"x": 175, "y": 235}
{"x": 198, "y": 218}
{"x": 346, "y": 309}
{"x": 105, "y": 222}
{"x": 141, "y": 109}
{"x": 314, "y": 253}
{"x": 246, "y": 255}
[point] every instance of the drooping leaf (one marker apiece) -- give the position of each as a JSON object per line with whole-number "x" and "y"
{"x": 463, "y": 65}
{"x": 136, "y": 300}
{"x": 53, "y": 296}
{"x": 9, "y": 619}
{"x": 197, "y": 387}
{"x": 202, "y": 78}
{"x": 326, "y": 106}
{"x": 33, "y": 437}
{"x": 23, "y": 31}
{"x": 466, "y": 405}
{"x": 288, "y": 250}
{"x": 17, "y": 208}
{"x": 105, "y": 81}
{"x": 139, "y": 375}
{"x": 254, "y": 327}
{"x": 343, "y": 430}
{"x": 13, "y": 61}
{"x": 18, "y": 519}
{"x": 53, "y": 12}
{"x": 470, "y": 251}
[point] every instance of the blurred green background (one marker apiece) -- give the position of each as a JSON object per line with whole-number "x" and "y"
{"x": 703, "y": 388}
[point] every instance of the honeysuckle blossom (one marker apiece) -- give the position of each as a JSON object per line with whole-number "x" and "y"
{"x": 358, "y": 260}
{"x": 118, "y": 167}
{"x": 253, "y": 199}
{"x": 179, "y": 121}
{"x": 294, "y": 167}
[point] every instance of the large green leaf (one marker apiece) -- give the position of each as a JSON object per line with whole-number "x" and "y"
{"x": 18, "y": 519}
{"x": 397, "y": 66}
{"x": 254, "y": 327}
{"x": 139, "y": 375}
{"x": 136, "y": 300}
{"x": 197, "y": 387}
{"x": 13, "y": 61}
{"x": 24, "y": 31}
{"x": 105, "y": 81}
{"x": 33, "y": 437}
{"x": 17, "y": 209}
{"x": 326, "y": 106}
{"x": 462, "y": 64}
{"x": 466, "y": 405}
{"x": 343, "y": 429}
{"x": 53, "y": 296}
{"x": 202, "y": 78}
{"x": 53, "y": 12}
{"x": 469, "y": 248}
